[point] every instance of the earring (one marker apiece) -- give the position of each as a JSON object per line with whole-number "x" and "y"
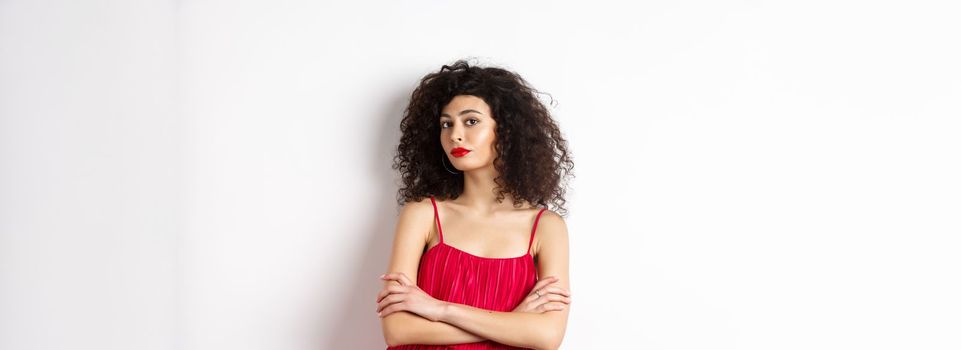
{"x": 445, "y": 165}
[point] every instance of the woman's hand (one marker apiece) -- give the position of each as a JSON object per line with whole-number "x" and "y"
{"x": 544, "y": 297}
{"x": 406, "y": 296}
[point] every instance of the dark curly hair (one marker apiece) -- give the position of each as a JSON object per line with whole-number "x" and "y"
{"x": 532, "y": 157}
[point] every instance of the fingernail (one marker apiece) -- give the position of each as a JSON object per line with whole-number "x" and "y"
{"x": 382, "y": 276}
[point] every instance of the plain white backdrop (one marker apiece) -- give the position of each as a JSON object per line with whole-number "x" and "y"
{"x": 216, "y": 174}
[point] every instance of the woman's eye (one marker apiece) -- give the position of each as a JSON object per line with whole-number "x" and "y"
{"x": 443, "y": 124}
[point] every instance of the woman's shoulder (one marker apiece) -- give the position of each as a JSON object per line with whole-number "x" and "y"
{"x": 551, "y": 223}
{"x": 417, "y": 208}
{"x": 414, "y": 222}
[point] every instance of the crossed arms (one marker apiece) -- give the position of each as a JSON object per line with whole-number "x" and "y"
{"x": 416, "y": 318}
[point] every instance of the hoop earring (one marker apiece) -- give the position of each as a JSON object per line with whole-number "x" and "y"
{"x": 445, "y": 165}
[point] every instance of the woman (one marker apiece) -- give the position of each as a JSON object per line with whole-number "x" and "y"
{"x": 480, "y": 158}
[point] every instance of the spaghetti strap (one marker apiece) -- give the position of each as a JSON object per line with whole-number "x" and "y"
{"x": 440, "y": 232}
{"x": 533, "y": 230}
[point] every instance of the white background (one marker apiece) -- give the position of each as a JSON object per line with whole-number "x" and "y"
{"x": 216, "y": 174}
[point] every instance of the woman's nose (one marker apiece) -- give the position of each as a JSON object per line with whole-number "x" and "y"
{"x": 455, "y": 135}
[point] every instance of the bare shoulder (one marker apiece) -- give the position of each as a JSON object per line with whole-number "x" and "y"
{"x": 410, "y": 238}
{"x": 551, "y": 231}
{"x": 553, "y": 249}
{"x": 418, "y": 208}
{"x": 552, "y": 223}
{"x": 415, "y": 220}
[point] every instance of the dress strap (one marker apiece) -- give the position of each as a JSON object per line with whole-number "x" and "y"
{"x": 440, "y": 232}
{"x": 533, "y": 230}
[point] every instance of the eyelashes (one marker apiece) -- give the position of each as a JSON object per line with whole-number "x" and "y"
{"x": 443, "y": 123}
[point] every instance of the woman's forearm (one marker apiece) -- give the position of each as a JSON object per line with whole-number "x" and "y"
{"x": 408, "y": 328}
{"x": 520, "y": 329}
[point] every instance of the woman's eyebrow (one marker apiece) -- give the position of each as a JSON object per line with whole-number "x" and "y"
{"x": 461, "y": 113}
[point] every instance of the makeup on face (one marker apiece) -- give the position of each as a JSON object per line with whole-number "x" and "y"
{"x": 465, "y": 111}
{"x": 459, "y": 152}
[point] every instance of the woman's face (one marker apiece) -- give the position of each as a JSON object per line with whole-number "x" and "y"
{"x": 466, "y": 123}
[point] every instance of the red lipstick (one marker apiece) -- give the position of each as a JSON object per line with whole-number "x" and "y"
{"x": 459, "y": 152}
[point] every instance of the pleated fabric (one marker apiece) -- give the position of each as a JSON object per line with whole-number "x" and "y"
{"x": 453, "y": 275}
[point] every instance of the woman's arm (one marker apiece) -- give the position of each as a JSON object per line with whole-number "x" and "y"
{"x": 408, "y": 328}
{"x": 411, "y": 236}
{"x": 537, "y": 331}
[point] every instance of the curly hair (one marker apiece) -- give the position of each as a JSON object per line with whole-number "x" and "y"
{"x": 531, "y": 159}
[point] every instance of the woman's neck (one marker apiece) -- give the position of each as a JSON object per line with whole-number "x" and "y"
{"x": 479, "y": 196}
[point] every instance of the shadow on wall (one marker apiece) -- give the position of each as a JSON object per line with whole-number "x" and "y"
{"x": 355, "y": 324}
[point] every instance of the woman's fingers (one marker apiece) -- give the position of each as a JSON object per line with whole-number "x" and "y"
{"x": 399, "y": 277}
{"x": 556, "y": 298}
{"x": 389, "y": 300}
{"x": 391, "y": 309}
{"x": 557, "y": 290}
{"x": 548, "y": 302}
{"x": 536, "y": 294}
{"x": 552, "y": 306}
{"x": 539, "y": 287}
{"x": 407, "y": 281}
{"x": 545, "y": 296}
{"x": 550, "y": 299}
{"x": 390, "y": 290}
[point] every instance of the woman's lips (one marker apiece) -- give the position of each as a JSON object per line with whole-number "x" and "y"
{"x": 459, "y": 152}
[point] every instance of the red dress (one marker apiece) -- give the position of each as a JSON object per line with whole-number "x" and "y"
{"x": 453, "y": 275}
